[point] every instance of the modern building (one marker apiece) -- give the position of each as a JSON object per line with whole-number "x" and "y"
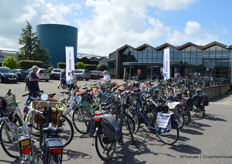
{"x": 55, "y": 38}
{"x": 213, "y": 59}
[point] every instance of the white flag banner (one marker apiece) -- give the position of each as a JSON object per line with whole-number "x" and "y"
{"x": 70, "y": 62}
{"x": 166, "y": 64}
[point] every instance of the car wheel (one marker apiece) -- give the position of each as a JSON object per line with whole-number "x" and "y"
{"x": 87, "y": 79}
{"x": 46, "y": 80}
{"x": 80, "y": 78}
{"x": 0, "y": 80}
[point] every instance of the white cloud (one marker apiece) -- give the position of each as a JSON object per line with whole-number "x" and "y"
{"x": 14, "y": 14}
{"x": 171, "y": 4}
{"x": 192, "y": 32}
{"x": 109, "y": 25}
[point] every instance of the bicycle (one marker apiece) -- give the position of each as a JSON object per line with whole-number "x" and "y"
{"x": 50, "y": 141}
{"x": 107, "y": 128}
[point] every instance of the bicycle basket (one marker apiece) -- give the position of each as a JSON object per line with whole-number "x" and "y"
{"x": 54, "y": 118}
{"x": 54, "y": 115}
{"x": 8, "y": 104}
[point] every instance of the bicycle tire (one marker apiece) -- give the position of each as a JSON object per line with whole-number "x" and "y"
{"x": 55, "y": 159}
{"x": 8, "y": 141}
{"x": 180, "y": 116}
{"x": 187, "y": 118}
{"x": 108, "y": 150}
{"x": 131, "y": 126}
{"x": 34, "y": 128}
{"x": 80, "y": 119}
{"x": 67, "y": 133}
{"x": 202, "y": 111}
{"x": 167, "y": 137}
{"x": 134, "y": 115}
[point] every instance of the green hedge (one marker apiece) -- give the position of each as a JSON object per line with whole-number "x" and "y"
{"x": 91, "y": 66}
{"x": 26, "y": 64}
{"x": 61, "y": 65}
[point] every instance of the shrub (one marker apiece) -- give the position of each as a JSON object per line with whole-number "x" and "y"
{"x": 61, "y": 65}
{"x": 80, "y": 65}
{"x": 26, "y": 64}
{"x": 91, "y": 67}
{"x": 50, "y": 69}
{"x": 10, "y": 62}
{"x": 102, "y": 67}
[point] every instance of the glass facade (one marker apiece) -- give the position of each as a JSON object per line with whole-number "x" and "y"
{"x": 213, "y": 59}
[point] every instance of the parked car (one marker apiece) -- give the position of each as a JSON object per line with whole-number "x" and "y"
{"x": 95, "y": 74}
{"x": 43, "y": 74}
{"x": 22, "y": 73}
{"x": 55, "y": 74}
{"x": 82, "y": 74}
{"x": 7, "y": 75}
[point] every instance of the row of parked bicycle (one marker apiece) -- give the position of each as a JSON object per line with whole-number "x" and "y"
{"x": 107, "y": 113}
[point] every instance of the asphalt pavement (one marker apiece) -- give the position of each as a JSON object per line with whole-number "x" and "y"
{"x": 204, "y": 141}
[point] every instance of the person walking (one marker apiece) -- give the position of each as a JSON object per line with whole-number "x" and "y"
{"x": 72, "y": 81}
{"x": 32, "y": 86}
{"x": 140, "y": 75}
{"x": 62, "y": 82}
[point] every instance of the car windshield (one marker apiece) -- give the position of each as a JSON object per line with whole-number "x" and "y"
{"x": 43, "y": 71}
{"x": 16, "y": 71}
{"x": 5, "y": 70}
{"x": 78, "y": 71}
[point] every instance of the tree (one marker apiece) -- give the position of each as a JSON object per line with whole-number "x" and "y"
{"x": 102, "y": 67}
{"x": 10, "y": 62}
{"x": 80, "y": 65}
{"x": 30, "y": 49}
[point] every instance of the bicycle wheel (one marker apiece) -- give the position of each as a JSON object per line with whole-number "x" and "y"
{"x": 104, "y": 147}
{"x": 67, "y": 130}
{"x": 187, "y": 118}
{"x": 80, "y": 119}
{"x": 55, "y": 158}
{"x": 134, "y": 115}
{"x": 201, "y": 112}
{"x": 180, "y": 116}
{"x": 9, "y": 140}
{"x": 130, "y": 126}
{"x": 169, "y": 137}
{"x": 34, "y": 128}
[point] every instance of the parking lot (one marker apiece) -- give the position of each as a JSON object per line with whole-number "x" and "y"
{"x": 203, "y": 141}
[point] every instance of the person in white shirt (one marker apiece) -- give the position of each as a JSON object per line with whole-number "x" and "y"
{"x": 106, "y": 77}
{"x": 72, "y": 81}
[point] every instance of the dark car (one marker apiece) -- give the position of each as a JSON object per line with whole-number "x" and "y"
{"x": 82, "y": 74}
{"x": 95, "y": 74}
{"x": 22, "y": 73}
{"x": 55, "y": 74}
{"x": 7, "y": 75}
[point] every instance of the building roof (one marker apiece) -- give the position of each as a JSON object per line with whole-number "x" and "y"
{"x": 181, "y": 47}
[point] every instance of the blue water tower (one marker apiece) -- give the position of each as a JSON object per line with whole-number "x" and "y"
{"x": 54, "y": 38}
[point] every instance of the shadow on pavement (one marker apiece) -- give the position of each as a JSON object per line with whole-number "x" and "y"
{"x": 212, "y": 117}
{"x": 186, "y": 149}
{"x": 191, "y": 131}
{"x": 71, "y": 154}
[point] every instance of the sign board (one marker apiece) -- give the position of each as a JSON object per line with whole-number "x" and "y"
{"x": 166, "y": 64}
{"x": 70, "y": 62}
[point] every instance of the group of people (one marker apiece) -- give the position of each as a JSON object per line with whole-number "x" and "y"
{"x": 33, "y": 82}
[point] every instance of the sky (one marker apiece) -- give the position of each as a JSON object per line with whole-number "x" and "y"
{"x": 106, "y": 25}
